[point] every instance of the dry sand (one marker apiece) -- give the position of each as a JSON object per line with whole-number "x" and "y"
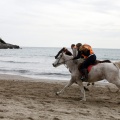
{"x": 29, "y": 99}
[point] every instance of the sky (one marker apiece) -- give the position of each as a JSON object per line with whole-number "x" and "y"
{"x": 60, "y": 23}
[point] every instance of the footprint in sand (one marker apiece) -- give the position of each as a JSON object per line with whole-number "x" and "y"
{"x": 56, "y": 118}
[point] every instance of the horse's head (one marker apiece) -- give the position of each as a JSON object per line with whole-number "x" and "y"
{"x": 59, "y": 60}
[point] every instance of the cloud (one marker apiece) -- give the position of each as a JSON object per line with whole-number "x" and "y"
{"x": 59, "y": 20}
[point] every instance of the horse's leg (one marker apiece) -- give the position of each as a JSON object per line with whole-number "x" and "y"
{"x": 82, "y": 90}
{"x": 117, "y": 83}
{"x": 68, "y": 85}
{"x": 115, "y": 80}
{"x": 89, "y": 84}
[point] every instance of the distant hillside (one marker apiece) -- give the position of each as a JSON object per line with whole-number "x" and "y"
{"x": 2, "y": 41}
{"x": 4, "y": 45}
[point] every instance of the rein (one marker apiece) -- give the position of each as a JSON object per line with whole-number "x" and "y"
{"x": 64, "y": 61}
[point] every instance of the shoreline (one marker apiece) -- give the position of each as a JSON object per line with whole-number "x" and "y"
{"x": 29, "y": 79}
{"x": 23, "y": 98}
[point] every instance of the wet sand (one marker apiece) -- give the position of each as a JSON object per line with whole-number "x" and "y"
{"x": 29, "y": 99}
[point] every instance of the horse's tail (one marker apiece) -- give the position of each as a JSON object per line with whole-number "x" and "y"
{"x": 103, "y": 61}
{"x": 117, "y": 64}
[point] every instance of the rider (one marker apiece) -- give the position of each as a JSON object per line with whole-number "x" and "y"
{"x": 90, "y": 58}
{"x": 78, "y": 55}
{"x": 74, "y": 50}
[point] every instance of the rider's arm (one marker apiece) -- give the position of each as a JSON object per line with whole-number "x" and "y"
{"x": 79, "y": 55}
{"x": 75, "y": 52}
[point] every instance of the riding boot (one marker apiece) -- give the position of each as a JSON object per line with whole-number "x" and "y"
{"x": 84, "y": 74}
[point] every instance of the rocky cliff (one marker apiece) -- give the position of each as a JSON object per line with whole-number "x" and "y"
{"x": 4, "y": 45}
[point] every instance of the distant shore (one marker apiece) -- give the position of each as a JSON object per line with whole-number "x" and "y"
{"x": 23, "y": 98}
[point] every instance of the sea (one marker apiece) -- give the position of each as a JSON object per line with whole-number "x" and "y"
{"x": 36, "y": 62}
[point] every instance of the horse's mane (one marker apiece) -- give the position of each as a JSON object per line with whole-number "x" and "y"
{"x": 62, "y": 50}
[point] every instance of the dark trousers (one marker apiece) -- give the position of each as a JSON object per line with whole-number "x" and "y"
{"x": 89, "y": 61}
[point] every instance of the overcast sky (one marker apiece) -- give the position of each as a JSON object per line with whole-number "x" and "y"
{"x": 58, "y": 23}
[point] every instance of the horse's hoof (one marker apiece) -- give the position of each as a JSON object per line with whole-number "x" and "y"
{"x": 82, "y": 99}
{"x": 88, "y": 84}
{"x": 57, "y": 93}
{"x": 93, "y": 83}
{"x": 86, "y": 89}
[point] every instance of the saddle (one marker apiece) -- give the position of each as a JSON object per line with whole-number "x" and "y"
{"x": 96, "y": 62}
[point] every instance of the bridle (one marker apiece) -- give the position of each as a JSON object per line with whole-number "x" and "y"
{"x": 64, "y": 62}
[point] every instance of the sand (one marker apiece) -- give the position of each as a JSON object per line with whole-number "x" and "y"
{"x": 29, "y": 99}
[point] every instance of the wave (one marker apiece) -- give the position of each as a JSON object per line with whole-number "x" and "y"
{"x": 19, "y": 62}
{"x": 52, "y": 74}
{"x": 30, "y": 72}
{"x": 14, "y": 71}
{"x": 111, "y": 59}
{"x": 51, "y": 56}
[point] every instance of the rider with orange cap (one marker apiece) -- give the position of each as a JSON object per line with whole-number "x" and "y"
{"x": 90, "y": 58}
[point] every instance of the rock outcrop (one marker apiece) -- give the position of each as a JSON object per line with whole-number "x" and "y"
{"x": 4, "y": 45}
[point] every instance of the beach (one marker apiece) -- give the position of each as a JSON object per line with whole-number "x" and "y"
{"x": 23, "y": 98}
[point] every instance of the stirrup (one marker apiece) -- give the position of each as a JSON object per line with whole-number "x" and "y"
{"x": 83, "y": 78}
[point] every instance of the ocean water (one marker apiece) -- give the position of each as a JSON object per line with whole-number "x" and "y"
{"x": 36, "y": 62}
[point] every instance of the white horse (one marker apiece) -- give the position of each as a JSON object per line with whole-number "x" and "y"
{"x": 108, "y": 71}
